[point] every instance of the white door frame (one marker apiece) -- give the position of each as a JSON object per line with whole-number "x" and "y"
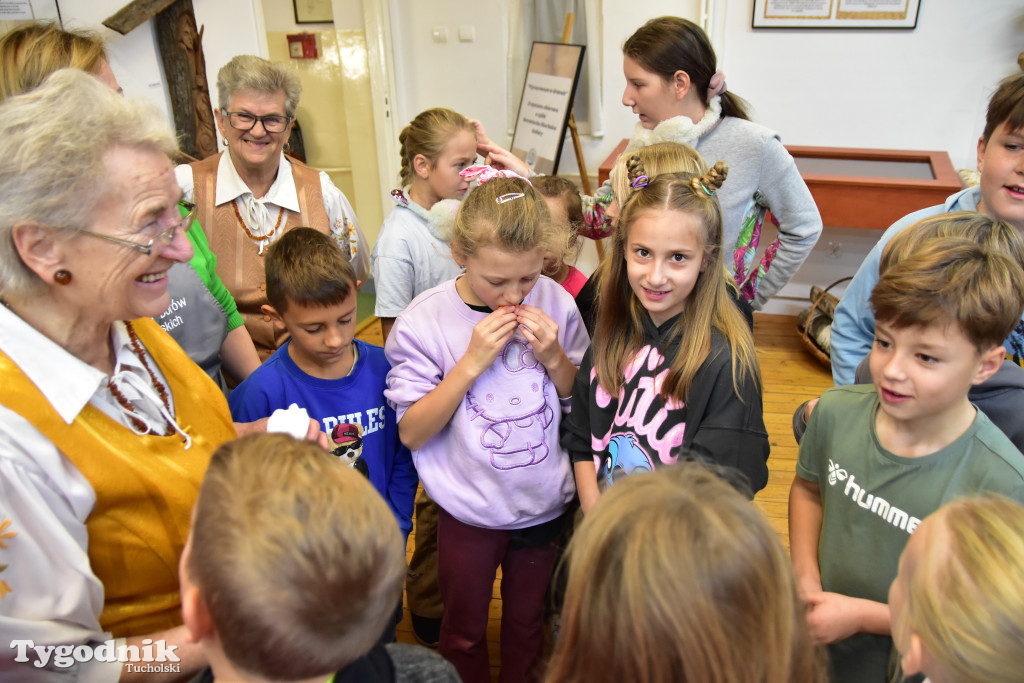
{"x": 380, "y": 58}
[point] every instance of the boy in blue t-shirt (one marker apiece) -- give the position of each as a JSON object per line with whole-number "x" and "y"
{"x": 338, "y": 380}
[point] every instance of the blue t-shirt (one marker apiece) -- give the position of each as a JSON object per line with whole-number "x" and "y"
{"x": 352, "y": 410}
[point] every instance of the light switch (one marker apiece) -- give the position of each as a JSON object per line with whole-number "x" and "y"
{"x": 440, "y": 34}
{"x": 467, "y": 34}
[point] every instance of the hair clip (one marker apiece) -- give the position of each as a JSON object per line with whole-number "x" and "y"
{"x": 509, "y": 197}
{"x": 710, "y": 193}
{"x": 640, "y": 181}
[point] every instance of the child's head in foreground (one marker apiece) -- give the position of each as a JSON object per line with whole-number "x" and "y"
{"x": 950, "y": 290}
{"x": 566, "y": 208}
{"x": 294, "y": 563}
{"x": 675, "y": 577}
{"x": 958, "y": 601}
{"x": 435, "y": 147}
{"x": 311, "y": 288}
{"x": 1001, "y": 152}
{"x": 500, "y": 235}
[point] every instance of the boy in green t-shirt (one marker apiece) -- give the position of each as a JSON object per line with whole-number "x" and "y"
{"x": 877, "y": 459}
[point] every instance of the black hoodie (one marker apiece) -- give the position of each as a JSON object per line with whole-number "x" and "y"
{"x": 714, "y": 425}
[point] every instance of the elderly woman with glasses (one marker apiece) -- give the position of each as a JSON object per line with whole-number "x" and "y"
{"x": 202, "y": 317}
{"x": 106, "y": 426}
{"x": 252, "y": 194}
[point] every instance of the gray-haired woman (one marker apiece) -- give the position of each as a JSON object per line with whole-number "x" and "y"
{"x": 106, "y": 426}
{"x": 252, "y": 194}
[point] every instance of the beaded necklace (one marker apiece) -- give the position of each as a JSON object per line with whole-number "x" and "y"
{"x": 136, "y": 346}
{"x": 248, "y": 233}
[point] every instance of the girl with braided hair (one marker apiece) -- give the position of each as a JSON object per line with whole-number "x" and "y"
{"x": 412, "y": 253}
{"x": 672, "y": 371}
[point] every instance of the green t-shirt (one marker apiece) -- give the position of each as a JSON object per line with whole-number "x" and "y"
{"x": 873, "y": 499}
{"x": 204, "y": 262}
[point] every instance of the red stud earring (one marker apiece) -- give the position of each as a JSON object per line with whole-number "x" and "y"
{"x": 62, "y": 277}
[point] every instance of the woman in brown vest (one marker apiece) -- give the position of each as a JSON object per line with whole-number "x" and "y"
{"x": 106, "y": 426}
{"x": 252, "y": 194}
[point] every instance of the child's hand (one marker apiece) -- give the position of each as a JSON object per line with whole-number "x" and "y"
{"x": 832, "y": 616}
{"x": 489, "y": 336}
{"x": 542, "y": 333}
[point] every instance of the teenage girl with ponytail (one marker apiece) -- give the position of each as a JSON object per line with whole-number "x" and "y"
{"x": 672, "y": 371}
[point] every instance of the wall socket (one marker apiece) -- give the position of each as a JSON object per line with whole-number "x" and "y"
{"x": 835, "y": 250}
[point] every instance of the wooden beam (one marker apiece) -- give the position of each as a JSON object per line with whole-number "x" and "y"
{"x": 135, "y": 13}
{"x": 181, "y": 52}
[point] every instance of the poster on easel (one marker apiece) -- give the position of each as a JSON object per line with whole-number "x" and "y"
{"x": 546, "y": 103}
{"x": 27, "y": 10}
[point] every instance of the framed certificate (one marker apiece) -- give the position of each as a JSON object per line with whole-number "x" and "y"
{"x": 836, "y": 13}
{"x": 313, "y": 11}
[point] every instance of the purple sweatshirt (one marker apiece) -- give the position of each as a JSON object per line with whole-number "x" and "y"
{"x": 498, "y": 463}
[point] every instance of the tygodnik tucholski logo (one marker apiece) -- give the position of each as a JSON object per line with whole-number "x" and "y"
{"x": 152, "y": 657}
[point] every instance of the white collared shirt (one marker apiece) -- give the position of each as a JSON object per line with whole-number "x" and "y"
{"x": 282, "y": 195}
{"x": 54, "y": 595}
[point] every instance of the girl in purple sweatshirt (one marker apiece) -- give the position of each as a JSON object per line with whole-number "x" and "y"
{"x": 482, "y": 370}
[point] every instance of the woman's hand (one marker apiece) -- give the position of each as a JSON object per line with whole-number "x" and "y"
{"x": 489, "y": 336}
{"x": 481, "y": 133}
{"x": 502, "y": 159}
{"x": 313, "y": 431}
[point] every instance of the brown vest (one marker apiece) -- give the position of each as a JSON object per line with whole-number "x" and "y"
{"x": 239, "y": 263}
{"x": 145, "y": 486}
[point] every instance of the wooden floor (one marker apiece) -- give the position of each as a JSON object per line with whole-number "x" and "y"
{"x": 790, "y": 377}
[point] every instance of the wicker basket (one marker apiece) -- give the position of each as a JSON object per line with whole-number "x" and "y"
{"x": 820, "y": 314}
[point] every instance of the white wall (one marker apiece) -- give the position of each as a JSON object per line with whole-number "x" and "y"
{"x": 925, "y": 88}
{"x": 920, "y": 89}
{"x": 231, "y": 29}
{"x": 467, "y": 77}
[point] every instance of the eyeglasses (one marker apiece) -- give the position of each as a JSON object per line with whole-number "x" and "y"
{"x": 272, "y": 123}
{"x": 166, "y": 234}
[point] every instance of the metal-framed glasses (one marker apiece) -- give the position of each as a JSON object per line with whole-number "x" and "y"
{"x": 165, "y": 234}
{"x": 243, "y": 120}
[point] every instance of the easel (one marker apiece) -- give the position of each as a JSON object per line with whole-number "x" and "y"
{"x": 570, "y": 19}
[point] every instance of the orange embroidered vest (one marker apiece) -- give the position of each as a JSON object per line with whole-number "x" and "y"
{"x": 145, "y": 485}
{"x": 239, "y": 263}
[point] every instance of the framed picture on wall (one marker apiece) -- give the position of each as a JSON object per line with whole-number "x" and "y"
{"x": 836, "y": 13}
{"x": 313, "y": 11}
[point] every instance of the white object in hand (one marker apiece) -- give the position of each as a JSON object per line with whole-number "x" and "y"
{"x": 293, "y": 421}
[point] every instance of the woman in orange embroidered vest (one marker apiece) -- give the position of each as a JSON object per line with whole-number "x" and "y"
{"x": 253, "y": 193}
{"x": 203, "y": 317}
{"x": 106, "y": 426}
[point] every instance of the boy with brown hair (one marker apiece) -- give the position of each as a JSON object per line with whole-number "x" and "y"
{"x": 877, "y": 459}
{"x": 292, "y": 569}
{"x": 338, "y": 380}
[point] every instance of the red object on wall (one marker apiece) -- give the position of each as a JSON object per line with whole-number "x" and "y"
{"x": 302, "y": 46}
